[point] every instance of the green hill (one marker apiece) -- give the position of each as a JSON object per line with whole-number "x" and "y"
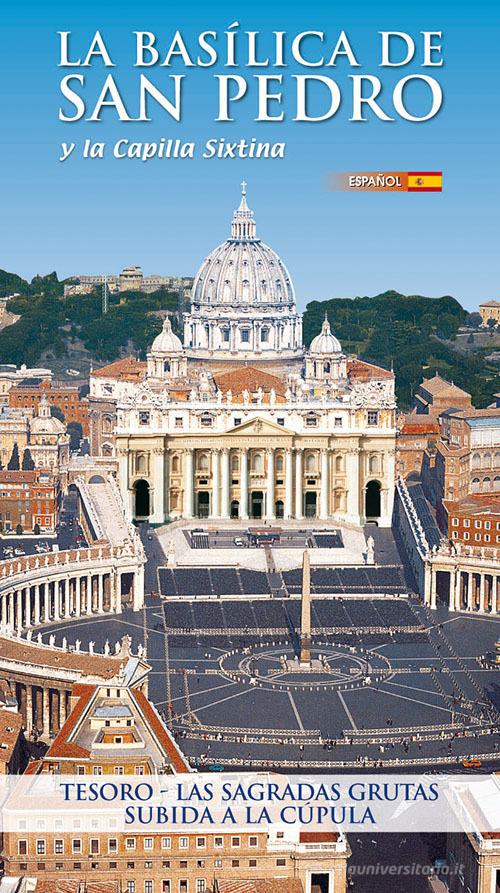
{"x": 406, "y": 332}
{"x": 403, "y": 331}
{"x": 50, "y": 323}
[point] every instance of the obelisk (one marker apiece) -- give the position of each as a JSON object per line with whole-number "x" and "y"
{"x": 305, "y": 623}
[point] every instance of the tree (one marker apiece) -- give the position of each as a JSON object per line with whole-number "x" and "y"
{"x": 57, "y": 413}
{"x": 28, "y": 462}
{"x": 492, "y": 323}
{"x": 474, "y": 320}
{"x": 75, "y": 432}
{"x": 13, "y": 463}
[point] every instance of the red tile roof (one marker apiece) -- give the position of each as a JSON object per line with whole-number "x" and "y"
{"x": 73, "y": 886}
{"x": 318, "y": 837}
{"x": 61, "y": 747}
{"x": 127, "y": 369}
{"x": 156, "y": 726}
{"x": 359, "y": 370}
{"x": 281, "y": 885}
{"x": 427, "y": 427}
{"x": 248, "y": 378}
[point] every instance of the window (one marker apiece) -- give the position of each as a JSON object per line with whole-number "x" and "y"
{"x": 97, "y": 770}
{"x": 144, "y": 418}
{"x": 206, "y": 421}
{"x": 201, "y": 842}
{"x": 94, "y": 846}
{"x": 200, "y": 886}
{"x": 252, "y": 863}
{"x": 77, "y": 846}
{"x": 225, "y": 334}
{"x": 311, "y": 421}
{"x": 264, "y": 335}
{"x": 466, "y": 523}
{"x": 454, "y": 522}
{"x": 166, "y": 843}
{"x": 245, "y": 336}
{"x": 466, "y": 535}
{"x": 40, "y": 848}
{"x": 237, "y": 422}
{"x": 281, "y": 422}
{"x": 80, "y": 770}
{"x": 372, "y": 417}
{"x": 130, "y": 843}
{"x": 487, "y": 525}
{"x": 178, "y": 422}
{"x": 338, "y": 421}
{"x": 477, "y": 537}
{"x": 183, "y": 843}
{"x": 58, "y": 846}
{"x": 280, "y": 863}
{"x": 148, "y": 843}
{"x": 112, "y": 845}
{"x": 235, "y": 841}
{"x": 253, "y": 841}
{"x": 22, "y": 847}
{"x": 218, "y": 863}
{"x": 487, "y": 537}
{"x": 148, "y": 886}
{"x": 218, "y": 842}
{"x": 478, "y": 525}
{"x": 130, "y": 886}
{"x": 200, "y": 863}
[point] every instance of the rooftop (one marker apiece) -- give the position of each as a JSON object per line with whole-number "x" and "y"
{"x": 281, "y": 885}
{"x": 248, "y": 378}
{"x": 126, "y": 369}
{"x": 10, "y": 729}
{"x": 360, "y": 370}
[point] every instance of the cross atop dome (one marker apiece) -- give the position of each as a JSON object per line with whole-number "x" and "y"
{"x": 243, "y": 226}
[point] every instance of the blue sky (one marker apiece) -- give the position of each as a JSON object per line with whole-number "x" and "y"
{"x": 165, "y": 215}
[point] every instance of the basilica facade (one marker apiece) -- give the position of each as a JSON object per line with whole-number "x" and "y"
{"x": 240, "y": 420}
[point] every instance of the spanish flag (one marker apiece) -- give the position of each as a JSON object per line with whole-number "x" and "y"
{"x": 425, "y": 181}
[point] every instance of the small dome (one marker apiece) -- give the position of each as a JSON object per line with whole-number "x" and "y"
{"x": 325, "y": 342}
{"x": 44, "y": 422}
{"x": 166, "y": 341}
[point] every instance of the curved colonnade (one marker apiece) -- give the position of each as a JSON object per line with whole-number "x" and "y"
{"x": 65, "y": 585}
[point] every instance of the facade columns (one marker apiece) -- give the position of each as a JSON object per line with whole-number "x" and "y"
{"x": 88, "y": 599}
{"x": 62, "y": 707}
{"x": 188, "y": 483}
{"x": 57, "y": 594}
{"x": 433, "y": 588}
{"x": 158, "y": 516}
{"x": 78, "y": 596}
{"x": 288, "y": 484}
{"x": 46, "y": 601}
{"x": 470, "y": 590}
{"x": 324, "y": 484}
{"x": 244, "y": 484}
{"x": 215, "y": 512}
{"x": 124, "y": 487}
{"x": 67, "y": 597}
{"x": 482, "y": 593}
{"x": 29, "y": 708}
{"x": 36, "y": 605}
{"x": 100, "y": 594}
{"x": 270, "y": 508}
{"x": 46, "y": 712}
{"x": 225, "y": 472}
{"x": 299, "y": 508}
{"x": 352, "y": 471}
{"x": 19, "y": 610}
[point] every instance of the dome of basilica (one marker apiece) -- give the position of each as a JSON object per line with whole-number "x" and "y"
{"x": 243, "y": 270}
{"x": 325, "y": 342}
{"x": 167, "y": 341}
